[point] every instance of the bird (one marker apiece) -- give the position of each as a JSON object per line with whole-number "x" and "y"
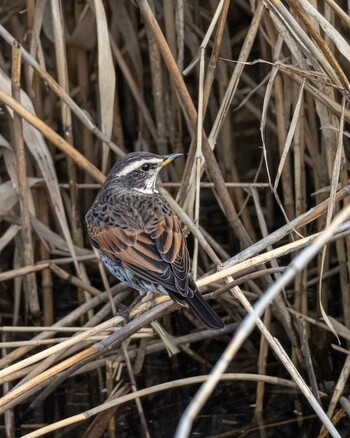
{"x": 138, "y": 236}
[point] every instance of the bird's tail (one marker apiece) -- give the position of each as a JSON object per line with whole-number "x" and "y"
{"x": 203, "y": 311}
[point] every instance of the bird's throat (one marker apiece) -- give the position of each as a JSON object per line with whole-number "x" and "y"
{"x": 149, "y": 187}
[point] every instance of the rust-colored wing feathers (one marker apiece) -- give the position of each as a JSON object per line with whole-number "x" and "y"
{"x": 131, "y": 247}
{"x": 168, "y": 238}
{"x": 160, "y": 256}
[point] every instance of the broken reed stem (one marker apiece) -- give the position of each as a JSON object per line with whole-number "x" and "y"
{"x": 23, "y": 187}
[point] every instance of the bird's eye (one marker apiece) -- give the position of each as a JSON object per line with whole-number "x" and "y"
{"x": 145, "y": 167}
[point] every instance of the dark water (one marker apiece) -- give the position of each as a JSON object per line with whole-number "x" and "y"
{"x": 228, "y": 413}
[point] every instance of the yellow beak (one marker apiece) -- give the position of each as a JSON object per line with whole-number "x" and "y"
{"x": 169, "y": 158}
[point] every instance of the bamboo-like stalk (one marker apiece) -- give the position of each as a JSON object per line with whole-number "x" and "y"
{"x": 23, "y": 187}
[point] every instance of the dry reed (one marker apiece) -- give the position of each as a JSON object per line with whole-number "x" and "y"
{"x": 259, "y": 99}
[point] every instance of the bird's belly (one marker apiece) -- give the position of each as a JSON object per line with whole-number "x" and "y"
{"x": 126, "y": 276}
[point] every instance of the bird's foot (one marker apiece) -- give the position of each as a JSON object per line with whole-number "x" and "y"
{"x": 124, "y": 311}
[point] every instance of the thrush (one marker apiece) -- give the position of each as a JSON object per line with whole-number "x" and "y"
{"x": 139, "y": 238}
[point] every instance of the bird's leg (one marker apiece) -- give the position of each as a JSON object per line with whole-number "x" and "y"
{"x": 124, "y": 311}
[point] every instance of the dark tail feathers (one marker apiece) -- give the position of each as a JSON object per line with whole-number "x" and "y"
{"x": 203, "y": 311}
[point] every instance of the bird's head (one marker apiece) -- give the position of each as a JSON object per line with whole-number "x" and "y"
{"x": 138, "y": 171}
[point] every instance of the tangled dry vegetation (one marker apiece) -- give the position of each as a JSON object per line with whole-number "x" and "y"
{"x": 257, "y": 95}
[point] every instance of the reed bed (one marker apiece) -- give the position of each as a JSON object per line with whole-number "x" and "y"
{"x": 256, "y": 95}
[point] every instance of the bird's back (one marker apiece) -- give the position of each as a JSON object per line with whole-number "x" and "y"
{"x": 128, "y": 210}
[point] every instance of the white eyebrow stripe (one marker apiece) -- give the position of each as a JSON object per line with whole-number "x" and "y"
{"x": 136, "y": 164}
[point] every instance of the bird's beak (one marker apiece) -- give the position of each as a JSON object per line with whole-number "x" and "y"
{"x": 169, "y": 158}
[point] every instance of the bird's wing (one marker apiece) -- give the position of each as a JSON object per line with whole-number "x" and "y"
{"x": 159, "y": 256}
{"x": 172, "y": 247}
